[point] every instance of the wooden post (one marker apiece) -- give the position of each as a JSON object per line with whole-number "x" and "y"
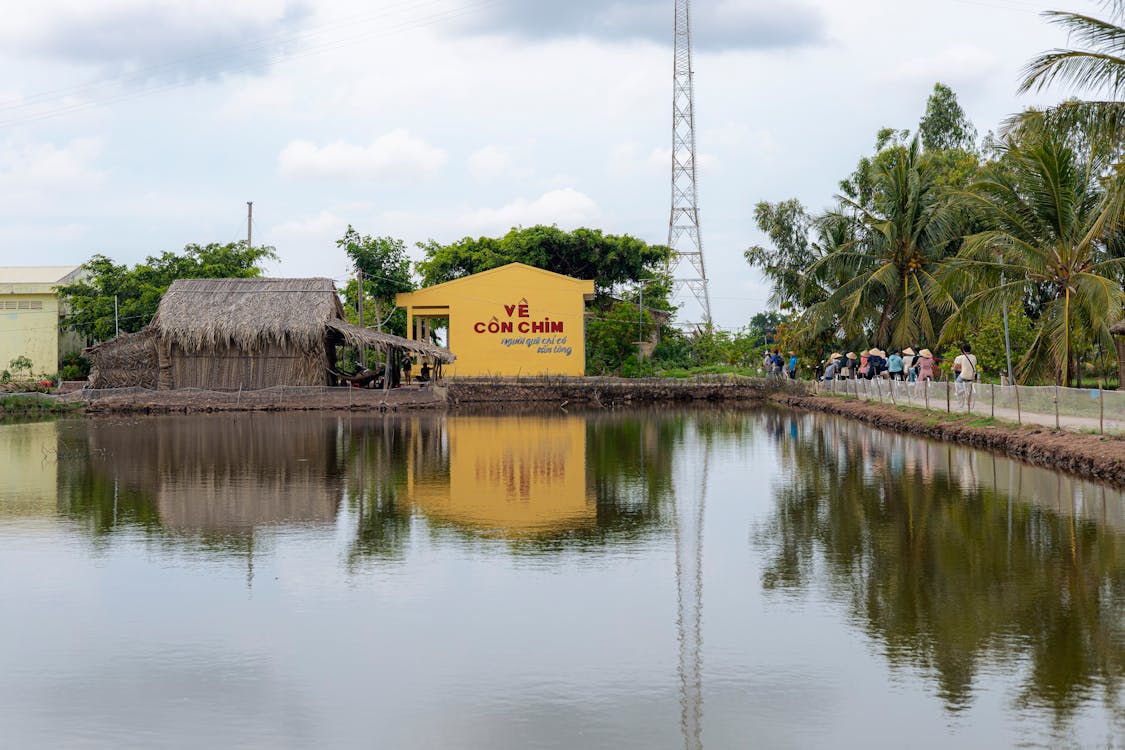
{"x": 1019, "y": 414}
{"x": 994, "y": 401}
{"x": 1057, "y": 427}
{"x": 927, "y": 382}
{"x": 948, "y": 408}
{"x": 1101, "y": 408}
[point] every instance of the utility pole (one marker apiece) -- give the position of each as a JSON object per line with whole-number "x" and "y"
{"x": 249, "y": 224}
{"x": 359, "y": 314}
{"x": 640, "y": 325}
{"x": 686, "y": 267}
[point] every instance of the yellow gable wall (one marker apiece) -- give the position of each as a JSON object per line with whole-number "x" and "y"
{"x": 514, "y": 320}
{"x": 29, "y": 327}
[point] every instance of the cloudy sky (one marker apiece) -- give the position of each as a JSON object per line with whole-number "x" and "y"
{"x": 130, "y": 127}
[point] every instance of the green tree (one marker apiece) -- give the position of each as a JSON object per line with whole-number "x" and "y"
{"x": 1098, "y": 66}
{"x": 787, "y": 224}
{"x": 1047, "y": 220}
{"x": 386, "y": 273}
{"x": 890, "y": 294}
{"x": 945, "y": 126}
{"x": 612, "y": 336}
{"x": 90, "y": 301}
{"x": 612, "y": 261}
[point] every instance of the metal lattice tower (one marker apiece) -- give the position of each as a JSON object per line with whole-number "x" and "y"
{"x": 687, "y": 269}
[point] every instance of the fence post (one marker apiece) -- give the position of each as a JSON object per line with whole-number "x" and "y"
{"x": 1057, "y": 427}
{"x": 1101, "y": 408}
{"x": 948, "y": 408}
{"x": 927, "y": 382}
{"x": 1019, "y": 414}
{"x": 994, "y": 401}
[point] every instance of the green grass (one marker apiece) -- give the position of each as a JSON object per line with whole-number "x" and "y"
{"x": 20, "y": 405}
{"x": 683, "y": 372}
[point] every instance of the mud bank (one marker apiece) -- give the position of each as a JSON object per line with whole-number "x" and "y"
{"x": 605, "y": 392}
{"x": 1090, "y": 456}
{"x": 274, "y": 399}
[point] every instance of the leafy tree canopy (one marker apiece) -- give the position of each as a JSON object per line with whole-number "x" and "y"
{"x": 610, "y": 260}
{"x": 138, "y": 290}
{"x": 945, "y": 125}
{"x": 384, "y": 262}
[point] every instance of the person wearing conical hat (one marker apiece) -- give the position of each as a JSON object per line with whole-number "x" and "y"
{"x": 908, "y": 357}
{"x": 832, "y": 370}
{"x": 925, "y": 365}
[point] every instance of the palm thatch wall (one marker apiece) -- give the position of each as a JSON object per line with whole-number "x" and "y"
{"x": 127, "y": 361}
{"x": 230, "y": 334}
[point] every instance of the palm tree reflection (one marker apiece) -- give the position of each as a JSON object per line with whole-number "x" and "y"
{"x": 953, "y": 559}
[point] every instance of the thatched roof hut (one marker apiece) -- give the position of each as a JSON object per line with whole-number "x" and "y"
{"x": 229, "y": 334}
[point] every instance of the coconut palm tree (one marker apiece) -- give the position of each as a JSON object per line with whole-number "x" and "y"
{"x": 1048, "y": 216}
{"x": 1098, "y": 67}
{"x": 881, "y": 276}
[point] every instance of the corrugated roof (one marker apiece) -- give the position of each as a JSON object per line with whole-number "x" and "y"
{"x": 36, "y": 274}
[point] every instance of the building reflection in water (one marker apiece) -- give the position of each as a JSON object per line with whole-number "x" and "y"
{"x": 540, "y": 483}
{"x": 954, "y": 560}
{"x": 213, "y": 476}
{"x": 29, "y": 469}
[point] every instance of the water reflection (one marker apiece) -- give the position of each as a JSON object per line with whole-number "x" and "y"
{"x": 955, "y": 560}
{"x": 544, "y": 581}
{"x": 537, "y": 483}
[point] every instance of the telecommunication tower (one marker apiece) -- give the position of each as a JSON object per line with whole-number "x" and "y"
{"x": 689, "y": 274}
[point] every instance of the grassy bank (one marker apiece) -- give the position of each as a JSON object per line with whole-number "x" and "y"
{"x": 33, "y": 405}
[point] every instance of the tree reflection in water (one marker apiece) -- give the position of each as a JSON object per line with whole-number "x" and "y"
{"x": 954, "y": 560}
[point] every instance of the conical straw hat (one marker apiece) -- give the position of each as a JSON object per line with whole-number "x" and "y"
{"x": 908, "y": 352}
{"x": 926, "y": 353}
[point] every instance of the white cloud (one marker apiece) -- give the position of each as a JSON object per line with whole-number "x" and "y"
{"x": 307, "y": 247}
{"x": 493, "y": 163}
{"x": 32, "y": 173}
{"x": 396, "y": 156}
{"x": 632, "y": 160}
{"x": 962, "y": 64}
{"x": 569, "y": 208}
{"x": 47, "y": 166}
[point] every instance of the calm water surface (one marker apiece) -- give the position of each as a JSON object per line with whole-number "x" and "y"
{"x": 647, "y": 579}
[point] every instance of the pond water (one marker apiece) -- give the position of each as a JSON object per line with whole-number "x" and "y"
{"x": 653, "y": 579}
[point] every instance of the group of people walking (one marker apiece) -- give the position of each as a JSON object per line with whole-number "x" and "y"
{"x": 905, "y": 365}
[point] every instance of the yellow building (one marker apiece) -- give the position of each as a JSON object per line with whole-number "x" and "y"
{"x": 512, "y": 320}
{"x": 29, "y": 316}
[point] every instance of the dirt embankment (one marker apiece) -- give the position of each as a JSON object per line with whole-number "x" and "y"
{"x": 1092, "y": 456}
{"x": 604, "y": 392}
{"x": 274, "y": 399}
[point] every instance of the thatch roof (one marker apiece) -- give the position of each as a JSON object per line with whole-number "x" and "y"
{"x": 251, "y": 314}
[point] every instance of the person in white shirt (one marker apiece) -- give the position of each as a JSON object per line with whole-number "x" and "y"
{"x": 966, "y": 368}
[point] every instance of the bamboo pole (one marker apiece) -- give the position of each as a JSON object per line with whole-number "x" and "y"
{"x": 1057, "y": 426}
